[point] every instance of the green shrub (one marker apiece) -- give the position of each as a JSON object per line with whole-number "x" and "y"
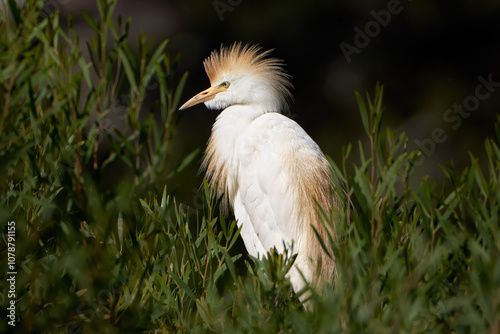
{"x": 101, "y": 246}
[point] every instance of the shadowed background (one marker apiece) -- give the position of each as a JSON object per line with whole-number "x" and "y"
{"x": 428, "y": 56}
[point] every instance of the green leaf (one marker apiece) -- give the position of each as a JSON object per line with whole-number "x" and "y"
{"x": 120, "y": 230}
{"x": 229, "y": 262}
{"x": 321, "y": 242}
{"x": 184, "y": 163}
{"x": 362, "y": 183}
{"x": 129, "y": 72}
{"x": 365, "y": 118}
{"x": 151, "y": 68}
{"x": 178, "y": 90}
{"x": 91, "y": 22}
{"x": 85, "y": 71}
{"x": 146, "y": 207}
{"x": 184, "y": 287}
{"x": 163, "y": 91}
{"x": 163, "y": 204}
{"x": 16, "y": 14}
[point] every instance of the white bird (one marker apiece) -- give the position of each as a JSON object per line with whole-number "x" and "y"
{"x": 269, "y": 169}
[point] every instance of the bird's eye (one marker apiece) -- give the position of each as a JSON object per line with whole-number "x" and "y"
{"x": 225, "y": 84}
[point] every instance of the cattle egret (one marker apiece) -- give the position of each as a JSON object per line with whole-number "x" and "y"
{"x": 270, "y": 171}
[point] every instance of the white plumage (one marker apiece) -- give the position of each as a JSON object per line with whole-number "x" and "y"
{"x": 270, "y": 170}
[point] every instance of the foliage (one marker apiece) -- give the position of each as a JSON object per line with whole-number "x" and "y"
{"x": 101, "y": 246}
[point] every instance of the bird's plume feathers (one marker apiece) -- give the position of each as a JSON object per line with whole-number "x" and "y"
{"x": 248, "y": 60}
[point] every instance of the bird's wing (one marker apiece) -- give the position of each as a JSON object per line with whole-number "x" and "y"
{"x": 276, "y": 158}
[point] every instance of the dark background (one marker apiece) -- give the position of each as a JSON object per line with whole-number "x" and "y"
{"x": 428, "y": 58}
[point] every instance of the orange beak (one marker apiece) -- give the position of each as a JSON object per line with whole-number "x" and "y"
{"x": 206, "y": 95}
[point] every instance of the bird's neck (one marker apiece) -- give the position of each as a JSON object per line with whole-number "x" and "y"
{"x": 236, "y": 118}
{"x": 221, "y": 158}
{"x": 231, "y": 124}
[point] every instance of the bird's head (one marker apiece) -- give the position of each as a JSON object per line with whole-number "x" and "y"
{"x": 242, "y": 74}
